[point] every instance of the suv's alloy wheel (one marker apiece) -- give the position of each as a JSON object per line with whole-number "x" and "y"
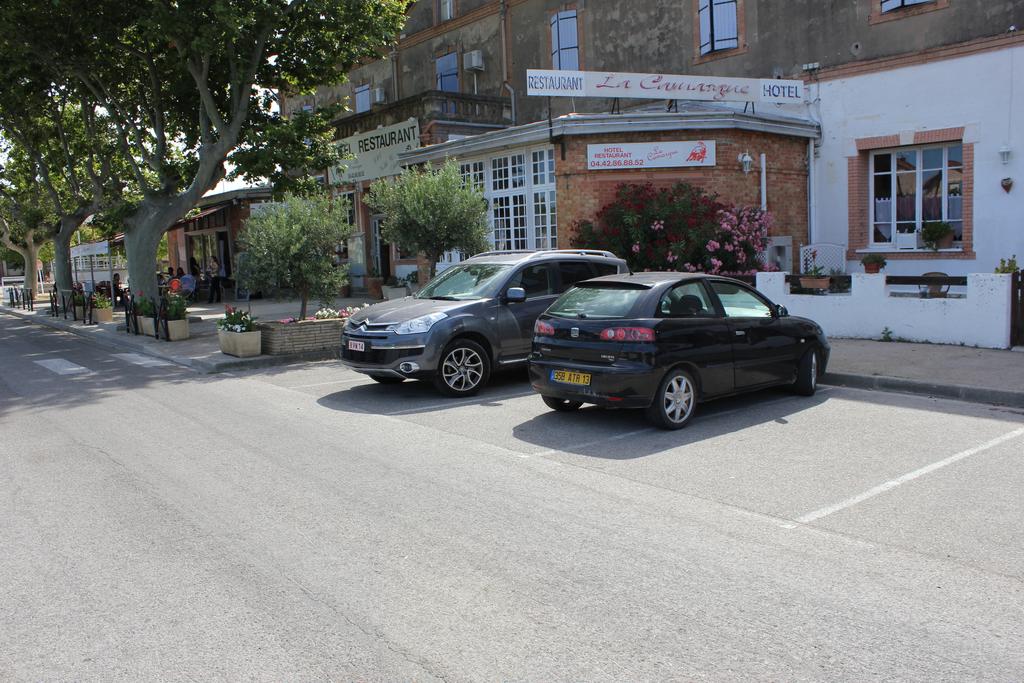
{"x": 464, "y": 368}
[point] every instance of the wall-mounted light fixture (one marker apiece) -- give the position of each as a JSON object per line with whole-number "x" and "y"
{"x": 746, "y": 161}
{"x": 1004, "y": 153}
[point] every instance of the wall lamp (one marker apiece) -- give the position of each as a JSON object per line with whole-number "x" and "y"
{"x": 1004, "y": 153}
{"x": 746, "y": 161}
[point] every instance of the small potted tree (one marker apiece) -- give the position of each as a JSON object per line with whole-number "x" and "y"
{"x": 937, "y": 235}
{"x": 102, "y": 309}
{"x": 145, "y": 311}
{"x": 873, "y": 263}
{"x": 177, "y": 317}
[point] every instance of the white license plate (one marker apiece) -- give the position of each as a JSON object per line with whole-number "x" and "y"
{"x": 354, "y": 345}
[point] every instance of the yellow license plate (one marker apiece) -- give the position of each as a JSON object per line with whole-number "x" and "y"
{"x": 570, "y": 377}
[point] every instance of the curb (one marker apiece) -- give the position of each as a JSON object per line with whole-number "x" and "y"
{"x": 911, "y": 386}
{"x": 123, "y": 341}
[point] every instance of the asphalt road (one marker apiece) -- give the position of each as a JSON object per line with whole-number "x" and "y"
{"x": 304, "y": 523}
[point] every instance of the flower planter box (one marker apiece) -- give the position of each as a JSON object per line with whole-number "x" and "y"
{"x": 391, "y": 293}
{"x": 815, "y": 282}
{"x": 147, "y": 325}
{"x": 103, "y": 315}
{"x": 872, "y": 268}
{"x": 177, "y": 330}
{"x": 303, "y": 336}
{"x": 239, "y": 344}
{"x": 908, "y": 240}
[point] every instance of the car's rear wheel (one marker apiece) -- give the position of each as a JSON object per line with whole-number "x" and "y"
{"x": 807, "y": 374}
{"x": 387, "y": 379}
{"x": 463, "y": 370}
{"x": 562, "y": 405}
{"x": 675, "y": 402}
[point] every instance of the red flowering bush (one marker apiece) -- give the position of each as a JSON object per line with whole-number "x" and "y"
{"x": 680, "y": 228}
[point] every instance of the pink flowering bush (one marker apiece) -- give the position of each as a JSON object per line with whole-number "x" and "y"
{"x": 680, "y": 228}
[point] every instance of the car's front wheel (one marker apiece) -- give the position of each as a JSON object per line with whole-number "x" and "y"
{"x": 463, "y": 370}
{"x": 675, "y": 402}
{"x": 807, "y": 374}
{"x": 562, "y": 405}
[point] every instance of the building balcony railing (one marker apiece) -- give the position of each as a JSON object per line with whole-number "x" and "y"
{"x": 483, "y": 111}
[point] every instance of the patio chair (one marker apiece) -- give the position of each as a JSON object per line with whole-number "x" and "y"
{"x": 933, "y": 291}
{"x": 188, "y": 287}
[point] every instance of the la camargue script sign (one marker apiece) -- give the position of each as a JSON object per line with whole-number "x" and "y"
{"x": 547, "y": 83}
{"x": 651, "y": 155}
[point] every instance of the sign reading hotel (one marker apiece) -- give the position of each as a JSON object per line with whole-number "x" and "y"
{"x": 651, "y": 155}
{"x": 375, "y": 154}
{"x": 548, "y": 83}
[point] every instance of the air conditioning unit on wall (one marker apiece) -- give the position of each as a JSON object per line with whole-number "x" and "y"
{"x": 378, "y": 96}
{"x": 473, "y": 61}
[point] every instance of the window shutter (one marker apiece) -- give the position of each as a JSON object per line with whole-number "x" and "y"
{"x": 704, "y": 16}
{"x": 724, "y": 23}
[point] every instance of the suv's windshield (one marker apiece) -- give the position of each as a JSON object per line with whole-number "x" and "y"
{"x": 467, "y": 281}
{"x": 596, "y": 302}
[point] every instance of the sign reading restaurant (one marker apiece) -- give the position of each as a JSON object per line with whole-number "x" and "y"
{"x": 651, "y": 155}
{"x": 548, "y": 83}
{"x": 375, "y": 154}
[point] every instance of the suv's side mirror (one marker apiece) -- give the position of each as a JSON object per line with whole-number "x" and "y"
{"x": 515, "y": 295}
{"x": 780, "y": 311}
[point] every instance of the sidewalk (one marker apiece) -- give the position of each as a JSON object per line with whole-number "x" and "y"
{"x": 957, "y": 372}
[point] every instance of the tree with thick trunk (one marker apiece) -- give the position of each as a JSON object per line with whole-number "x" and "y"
{"x": 184, "y": 83}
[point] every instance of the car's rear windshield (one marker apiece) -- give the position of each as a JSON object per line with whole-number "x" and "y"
{"x": 599, "y": 302}
{"x": 466, "y": 281}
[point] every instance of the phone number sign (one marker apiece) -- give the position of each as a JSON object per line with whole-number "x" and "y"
{"x": 651, "y": 155}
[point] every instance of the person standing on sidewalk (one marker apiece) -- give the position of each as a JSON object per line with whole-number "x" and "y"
{"x": 217, "y": 275}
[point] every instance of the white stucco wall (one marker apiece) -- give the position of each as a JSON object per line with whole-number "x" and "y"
{"x": 980, "y": 319}
{"x": 974, "y": 92}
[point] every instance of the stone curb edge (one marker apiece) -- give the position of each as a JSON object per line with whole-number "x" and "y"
{"x": 911, "y": 386}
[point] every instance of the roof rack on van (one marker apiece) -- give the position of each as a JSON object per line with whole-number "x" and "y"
{"x": 532, "y": 253}
{"x": 581, "y": 252}
{"x": 504, "y": 252}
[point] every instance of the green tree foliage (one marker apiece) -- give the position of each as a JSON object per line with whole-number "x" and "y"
{"x": 184, "y": 83}
{"x": 23, "y": 219}
{"x": 431, "y": 211}
{"x": 291, "y": 245}
{"x": 679, "y": 228}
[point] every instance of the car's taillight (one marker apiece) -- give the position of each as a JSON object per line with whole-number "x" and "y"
{"x": 543, "y": 328}
{"x": 628, "y": 334}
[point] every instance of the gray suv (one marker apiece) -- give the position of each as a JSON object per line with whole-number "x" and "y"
{"x": 472, "y": 319}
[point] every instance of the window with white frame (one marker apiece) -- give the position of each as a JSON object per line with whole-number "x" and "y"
{"x": 362, "y": 97}
{"x": 890, "y": 5}
{"x": 445, "y": 9}
{"x": 565, "y": 42}
{"x": 719, "y": 26}
{"x": 913, "y": 186}
{"x": 473, "y": 175}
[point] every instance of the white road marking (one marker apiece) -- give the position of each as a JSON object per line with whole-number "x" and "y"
{"x": 61, "y": 366}
{"x": 893, "y": 483}
{"x": 144, "y": 361}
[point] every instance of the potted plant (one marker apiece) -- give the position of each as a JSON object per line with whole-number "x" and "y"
{"x": 1008, "y": 266}
{"x": 412, "y": 281}
{"x": 78, "y": 300}
{"x": 177, "y": 317}
{"x": 873, "y": 263}
{"x": 237, "y": 333}
{"x": 814, "y": 276}
{"x": 374, "y": 283}
{"x": 394, "y": 289}
{"x": 937, "y": 235}
{"x": 102, "y": 308}
{"x": 145, "y": 311}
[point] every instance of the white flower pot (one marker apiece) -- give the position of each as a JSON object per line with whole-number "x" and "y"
{"x": 177, "y": 330}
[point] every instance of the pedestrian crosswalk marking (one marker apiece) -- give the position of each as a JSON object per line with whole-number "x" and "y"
{"x": 144, "y": 361}
{"x": 61, "y": 366}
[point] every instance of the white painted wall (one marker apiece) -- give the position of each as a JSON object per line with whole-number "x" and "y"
{"x": 973, "y": 91}
{"x": 980, "y": 319}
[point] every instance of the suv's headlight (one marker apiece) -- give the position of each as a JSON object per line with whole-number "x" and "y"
{"x": 419, "y": 325}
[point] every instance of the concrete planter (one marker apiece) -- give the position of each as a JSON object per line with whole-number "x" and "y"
{"x": 79, "y": 312}
{"x": 147, "y": 325}
{"x": 391, "y": 293}
{"x": 239, "y": 344}
{"x": 177, "y": 330}
{"x": 303, "y": 336}
{"x": 103, "y": 315}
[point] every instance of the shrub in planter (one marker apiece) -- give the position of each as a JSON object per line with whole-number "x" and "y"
{"x": 177, "y": 317}
{"x": 873, "y": 263}
{"x": 102, "y": 308}
{"x": 145, "y": 311}
{"x": 937, "y": 235}
{"x": 237, "y": 333}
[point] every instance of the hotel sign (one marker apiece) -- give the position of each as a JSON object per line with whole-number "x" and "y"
{"x": 546, "y": 83}
{"x": 375, "y": 154}
{"x": 651, "y": 155}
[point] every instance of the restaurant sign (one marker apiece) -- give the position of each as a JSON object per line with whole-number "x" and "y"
{"x": 651, "y": 155}
{"x": 375, "y": 154}
{"x": 549, "y": 83}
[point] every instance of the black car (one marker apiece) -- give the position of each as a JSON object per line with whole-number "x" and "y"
{"x": 472, "y": 319}
{"x": 667, "y": 341}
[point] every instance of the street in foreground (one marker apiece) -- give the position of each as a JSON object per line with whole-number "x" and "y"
{"x": 304, "y": 522}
